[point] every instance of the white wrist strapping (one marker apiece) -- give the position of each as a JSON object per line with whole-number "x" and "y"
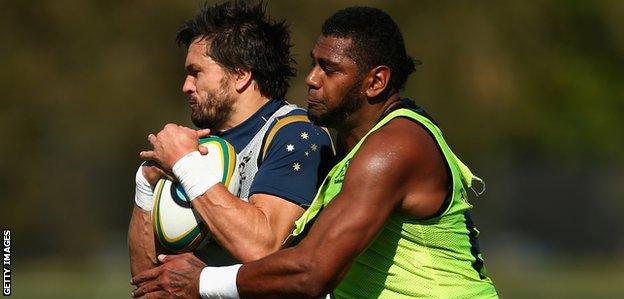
{"x": 144, "y": 193}
{"x": 195, "y": 174}
{"x": 219, "y": 282}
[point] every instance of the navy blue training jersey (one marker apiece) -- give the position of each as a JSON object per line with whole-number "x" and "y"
{"x": 297, "y": 160}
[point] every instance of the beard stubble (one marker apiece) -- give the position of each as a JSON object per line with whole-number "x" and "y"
{"x": 216, "y": 109}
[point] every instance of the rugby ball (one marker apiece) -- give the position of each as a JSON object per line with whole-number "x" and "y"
{"x": 176, "y": 224}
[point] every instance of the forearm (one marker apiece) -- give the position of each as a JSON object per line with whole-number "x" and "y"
{"x": 318, "y": 264}
{"x": 141, "y": 241}
{"x": 241, "y": 228}
{"x": 285, "y": 274}
{"x": 309, "y": 270}
{"x": 247, "y": 230}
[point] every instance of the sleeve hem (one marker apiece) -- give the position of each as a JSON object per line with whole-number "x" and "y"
{"x": 285, "y": 195}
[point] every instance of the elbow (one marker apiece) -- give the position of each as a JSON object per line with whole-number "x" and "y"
{"x": 256, "y": 252}
{"x": 252, "y": 255}
{"x": 314, "y": 290}
{"x": 317, "y": 280}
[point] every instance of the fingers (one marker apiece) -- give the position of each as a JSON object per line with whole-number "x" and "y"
{"x": 149, "y": 287}
{"x": 203, "y": 133}
{"x": 153, "y": 172}
{"x": 151, "y": 138}
{"x": 163, "y": 258}
{"x": 148, "y": 155}
{"x": 156, "y": 295}
{"x": 202, "y": 150}
{"x": 145, "y": 276}
{"x": 150, "y": 163}
{"x": 171, "y": 126}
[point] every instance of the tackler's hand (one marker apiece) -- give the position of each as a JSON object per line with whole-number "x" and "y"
{"x": 177, "y": 277}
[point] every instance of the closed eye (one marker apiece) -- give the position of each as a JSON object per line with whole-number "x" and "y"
{"x": 192, "y": 70}
{"x": 327, "y": 67}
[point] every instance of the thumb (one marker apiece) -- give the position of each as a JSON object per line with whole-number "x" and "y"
{"x": 203, "y": 133}
{"x": 202, "y": 150}
{"x": 163, "y": 258}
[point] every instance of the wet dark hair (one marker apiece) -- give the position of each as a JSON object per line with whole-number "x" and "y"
{"x": 243, "y": 37}
{"x": 375, "y": 40}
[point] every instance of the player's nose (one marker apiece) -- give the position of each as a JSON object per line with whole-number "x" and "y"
{"x": 312, "y": 79}
{"x": 189, "y": 85}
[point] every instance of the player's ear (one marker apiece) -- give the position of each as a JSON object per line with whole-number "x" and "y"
{"x": 377, "y": 79}
{"x": 242, "y": 79}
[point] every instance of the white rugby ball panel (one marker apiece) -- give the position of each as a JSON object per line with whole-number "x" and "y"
{"x": 176, "y": 225}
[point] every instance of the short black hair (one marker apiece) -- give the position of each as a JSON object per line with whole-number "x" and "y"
{"x": 243, "y": 37}
{"x": 375, "y": 40}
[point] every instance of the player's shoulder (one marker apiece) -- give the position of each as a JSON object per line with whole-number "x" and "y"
{"x": 295, "y": 111}
{"x": 294, "y": 130}
{"x": 401, "y": 142}
{"x": 402, "y": 131}
{"x": 296, "y": 123}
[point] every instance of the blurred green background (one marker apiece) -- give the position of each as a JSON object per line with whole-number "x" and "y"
{"x": 529, "y": 93}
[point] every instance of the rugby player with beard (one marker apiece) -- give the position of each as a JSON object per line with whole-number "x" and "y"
{"x": 238, "y": 65}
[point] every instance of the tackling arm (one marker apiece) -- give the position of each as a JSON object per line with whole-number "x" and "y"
{"x": 399, "y": 163}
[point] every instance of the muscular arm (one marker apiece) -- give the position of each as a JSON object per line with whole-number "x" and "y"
{"x": 248, "y": 230}
{"x": 398, "y": 162}
{"x": 141, "y": 241}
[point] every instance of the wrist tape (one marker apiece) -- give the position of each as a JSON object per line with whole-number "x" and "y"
{"x": 144, "y": 192}
{"x": 194, "y": 173}
{"x": 219, "y": 282}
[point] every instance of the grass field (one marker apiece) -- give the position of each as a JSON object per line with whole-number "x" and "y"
{"x": 110, "y": 279}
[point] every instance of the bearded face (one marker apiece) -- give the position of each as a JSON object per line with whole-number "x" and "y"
{"x": 323, "y": 114}
{"x": 210, "y": 109}
{"x": 208, "y": 86}
{"x": 334, "y": 83}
